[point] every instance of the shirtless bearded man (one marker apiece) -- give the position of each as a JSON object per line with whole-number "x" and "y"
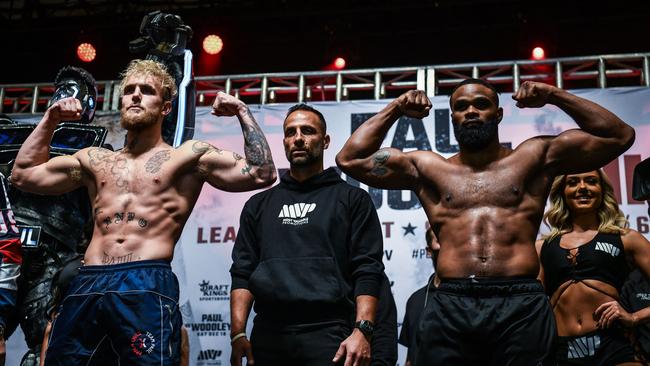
{"x": 123, "y": 304}
{"x": 485, "y": 205}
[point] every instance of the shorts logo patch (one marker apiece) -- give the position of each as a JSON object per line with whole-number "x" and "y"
{"x": 583, "y": 346}
{"x": 142, "y": 343}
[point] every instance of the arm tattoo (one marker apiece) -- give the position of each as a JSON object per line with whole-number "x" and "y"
{"x": 200, "y": 147}
{"x": 379, "y": 160}
{"x": 156, "y": 161}
{"x": 75, "y": 174}
{"x": 256, "y": 148}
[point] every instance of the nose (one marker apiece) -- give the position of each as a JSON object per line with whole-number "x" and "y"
{"x": 471, "y": 111}
{"x": 137, "y": 94}
{"x": 582, "y": 185}
{"x": 298, "y": 138}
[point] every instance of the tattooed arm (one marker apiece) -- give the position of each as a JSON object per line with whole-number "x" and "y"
{"x": 33, "y": 170}
{"x": 362, "y": 158}
{"x": 228, "y": 170}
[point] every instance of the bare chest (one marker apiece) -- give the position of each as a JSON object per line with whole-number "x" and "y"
{"x": 117, "y": 173}
{"x": 468, "y": 190}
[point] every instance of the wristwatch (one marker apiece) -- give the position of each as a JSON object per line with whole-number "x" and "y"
{"x": 366, "y": 327}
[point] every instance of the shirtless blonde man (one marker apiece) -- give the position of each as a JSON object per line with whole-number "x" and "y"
{"x": 124, "y": 302}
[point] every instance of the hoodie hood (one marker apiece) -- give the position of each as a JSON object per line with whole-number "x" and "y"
{"x": 327, "y": 177}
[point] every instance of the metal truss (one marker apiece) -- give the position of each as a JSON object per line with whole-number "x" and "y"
{"x": 570, "y": 73}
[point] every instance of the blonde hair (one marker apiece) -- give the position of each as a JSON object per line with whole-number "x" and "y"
{"x": 152, "y": 68}
{"x": 558, "y": 217}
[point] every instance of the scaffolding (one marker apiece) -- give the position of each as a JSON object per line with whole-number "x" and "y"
{"x": 622, "y": 70}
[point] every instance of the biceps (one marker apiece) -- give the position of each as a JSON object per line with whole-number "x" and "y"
{"x": 226, "y": 170}
{"x": 59, "y": 175}
{"x": 576, "y": 150}
{"x": 387, "y": 168}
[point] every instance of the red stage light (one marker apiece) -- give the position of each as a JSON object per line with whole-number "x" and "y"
{"x": 339, "y": 63}
{"x": 212, "y": 44}
{"x": 538, "y": 53}
{"x": 86, "y": 52}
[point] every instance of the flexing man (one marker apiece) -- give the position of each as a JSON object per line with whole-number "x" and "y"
{"x": 123, "y": 303}
{"x": 485, "y": 205}
{"x": 308, "y": 250}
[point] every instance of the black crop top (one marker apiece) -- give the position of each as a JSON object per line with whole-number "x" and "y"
{"x": 602, "y": 259}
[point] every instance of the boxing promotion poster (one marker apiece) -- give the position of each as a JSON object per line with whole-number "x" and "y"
{"x": 202, "y": 257}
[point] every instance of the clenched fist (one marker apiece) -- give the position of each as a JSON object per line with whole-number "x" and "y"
{"x": 66, "y": 109}
{"x": 533, "y": 95}
{"x": 226, "y": 105}
{"x": 414, "y": 103}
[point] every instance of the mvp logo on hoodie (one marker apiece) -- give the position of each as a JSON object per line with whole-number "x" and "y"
{"x": 296, "y": 214}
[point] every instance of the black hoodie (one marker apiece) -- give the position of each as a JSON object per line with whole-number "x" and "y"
{"x": 307, "y": 249}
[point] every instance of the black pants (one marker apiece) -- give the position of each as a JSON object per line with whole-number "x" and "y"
{"x": 299, "y": 345}
{"x": 486, "y": 322}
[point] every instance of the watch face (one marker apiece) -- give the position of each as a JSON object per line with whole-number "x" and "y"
{"x": 365, "y": 326}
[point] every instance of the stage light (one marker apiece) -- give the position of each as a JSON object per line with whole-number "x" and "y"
{"x": 538, "y": 53}
{"x": 339, "y": 63}
{"x": 86, "y": 52}
{"x": 212, "y": 44}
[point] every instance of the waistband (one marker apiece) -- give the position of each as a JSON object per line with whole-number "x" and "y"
{"x": 609, "y": 332}
{"x": 153, "y": 263}
{"x": 486, "y": 286}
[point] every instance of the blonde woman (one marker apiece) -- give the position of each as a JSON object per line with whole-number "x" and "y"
{"x": 584, "y": 261}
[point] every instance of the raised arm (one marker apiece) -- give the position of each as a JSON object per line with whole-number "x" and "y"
{"x": 33, "y": 169}
{"x": 602, "y": 136}
{"x": 228, "y": 170}
{"x": 362, "y": 158}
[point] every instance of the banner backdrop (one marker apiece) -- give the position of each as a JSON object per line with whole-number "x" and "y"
{"x": 202, "y": 258}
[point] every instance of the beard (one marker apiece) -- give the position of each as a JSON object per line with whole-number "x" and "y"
{"x": 312, "y": 155}
{"x": 477, "y": 137}
{"x": 138, "y": 122}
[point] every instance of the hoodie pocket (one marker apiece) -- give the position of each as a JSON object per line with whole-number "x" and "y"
{"x": 291, "y": 280}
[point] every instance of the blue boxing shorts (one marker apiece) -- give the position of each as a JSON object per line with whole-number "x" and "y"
{"x": 124, "y": 314}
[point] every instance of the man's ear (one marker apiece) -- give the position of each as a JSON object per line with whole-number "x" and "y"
{"x": 167, "y": 107}
{"x": 327, "y": 142}
{"x": 499, "y": 115}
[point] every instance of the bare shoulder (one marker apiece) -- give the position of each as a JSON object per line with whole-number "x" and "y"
{"x": 539, "y": 243}
{"x": 426, "y": 158}
{"x": 633, "y": 239}
{"x": 197, "y": 147}
{"x": 534, "y": 147}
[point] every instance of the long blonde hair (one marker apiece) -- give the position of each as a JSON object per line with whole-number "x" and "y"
{"x": 558, "y": 218}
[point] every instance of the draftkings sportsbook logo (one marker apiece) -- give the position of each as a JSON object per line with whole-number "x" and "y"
{"x": 296, "y": 214}
{"x": 214, "y": 292}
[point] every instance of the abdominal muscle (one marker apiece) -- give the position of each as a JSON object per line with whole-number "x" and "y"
{"x": 122, "y": 236}
{"x": 574, "y": 305}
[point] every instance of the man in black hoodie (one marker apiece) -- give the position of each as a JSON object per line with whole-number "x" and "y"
{"x": 308, "y": 253}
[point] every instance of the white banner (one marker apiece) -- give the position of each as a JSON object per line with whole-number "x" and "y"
{"x": 202, "y": 257}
